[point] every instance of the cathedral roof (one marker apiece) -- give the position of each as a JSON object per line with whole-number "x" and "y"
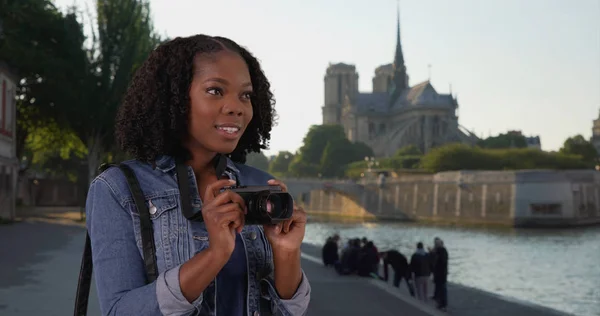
{"x": 422, "y": 94}
{"x": 373, "y": 102}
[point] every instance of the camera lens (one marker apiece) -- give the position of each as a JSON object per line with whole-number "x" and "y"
{"x": 267, "y": 204}
{"x": 268, "y": 207}
{"x": 273, "y": 204}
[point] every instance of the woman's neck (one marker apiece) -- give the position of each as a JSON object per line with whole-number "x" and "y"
{"x": 202, "y": 163}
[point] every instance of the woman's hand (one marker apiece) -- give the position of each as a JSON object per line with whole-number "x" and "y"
{"x": 286, "y": 237}
{"x": 223, "y": 214}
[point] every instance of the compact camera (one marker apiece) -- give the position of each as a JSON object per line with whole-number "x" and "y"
{"x": 266, "y": 204}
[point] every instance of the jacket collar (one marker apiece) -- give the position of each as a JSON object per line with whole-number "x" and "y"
{"x": 166, "y": 163}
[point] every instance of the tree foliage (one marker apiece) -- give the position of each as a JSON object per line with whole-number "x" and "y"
{"x": 577, "y": 145}
{"x": 463, "y": 157}
{"x": 410, "y": 150}
{"x": 121, "y": 41}
{"x": 44, "y": 46}
{"x": 279, "y": 166}
{"x": 339, "y": 153}
{"x": 69, "y": 86}
{"x": 326, "y": 151}
{"x": 258, "y": 160}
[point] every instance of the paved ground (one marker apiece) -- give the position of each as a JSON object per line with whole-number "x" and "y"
{"x": 39, "y": 266}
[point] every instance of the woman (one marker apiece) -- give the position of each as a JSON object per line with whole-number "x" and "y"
{"x": 203, "y": 101}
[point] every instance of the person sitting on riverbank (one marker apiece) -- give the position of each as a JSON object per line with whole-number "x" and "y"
{"x": 330, "y": 251}
{"x": 420, "y": 267}
{"x": 349, "y": 261}
{"x": 401, "y": 268}
{"x": 365, "y": 241}
{"x": 368, "y": 260}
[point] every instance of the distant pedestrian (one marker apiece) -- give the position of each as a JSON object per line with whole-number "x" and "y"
{"x": 401, "y": 269}
{"x": 420, "y": 267}
{"x": 440, "y": 273}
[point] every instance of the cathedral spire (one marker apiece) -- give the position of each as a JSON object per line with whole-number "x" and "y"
{"x": 398, "y": 57}
{"x": 400, "y": 78}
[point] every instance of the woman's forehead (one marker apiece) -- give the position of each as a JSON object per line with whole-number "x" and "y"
{"x": 220, "y": 63}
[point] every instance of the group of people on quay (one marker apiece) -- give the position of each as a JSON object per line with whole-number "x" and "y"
{"x": 361, "y": 257}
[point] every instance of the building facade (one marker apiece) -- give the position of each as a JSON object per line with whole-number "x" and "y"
{"x": 9, "y": 165}
{"x": 595, "y": 140}
{"x": 394, "y": 115}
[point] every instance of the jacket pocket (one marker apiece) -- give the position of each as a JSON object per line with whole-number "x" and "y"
{"x": 163, "y": 214}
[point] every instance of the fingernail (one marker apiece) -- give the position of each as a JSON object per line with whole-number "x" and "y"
{"x": 231, "y": 181}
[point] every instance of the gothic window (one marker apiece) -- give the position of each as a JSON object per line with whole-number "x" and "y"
{"x": 371, "y": 129}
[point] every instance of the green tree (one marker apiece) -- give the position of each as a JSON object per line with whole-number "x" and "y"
{"x": 45, "y": 47}
{"x": 577, "y": 145}
{"x": 122, "y": 39}
{"x": 258, "y": 160}
{"x": 410, "y": 150}
{"x": 279, "y": 166}
{"x": 326, "y": 151}
{"x": 463, "y": 157}
{"x": 316, "y": 139}
{"x": 307, "y": 161}
{"x": 339, "y": 153}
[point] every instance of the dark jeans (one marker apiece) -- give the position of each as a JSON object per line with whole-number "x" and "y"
{"x": 398, "y": 277}
{"x": 440, "y": 294}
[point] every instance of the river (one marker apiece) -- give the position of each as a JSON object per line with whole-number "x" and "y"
{"x": 554, "y": 268}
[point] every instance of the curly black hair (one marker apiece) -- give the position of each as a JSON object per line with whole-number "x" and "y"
{"x": 153, "y": 118}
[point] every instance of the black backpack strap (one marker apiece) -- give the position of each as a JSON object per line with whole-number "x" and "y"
{"x": 85, "y": 279}
{"x": 148, "y": 247}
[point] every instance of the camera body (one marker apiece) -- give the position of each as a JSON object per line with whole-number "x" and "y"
{"x": 266, "y": 204}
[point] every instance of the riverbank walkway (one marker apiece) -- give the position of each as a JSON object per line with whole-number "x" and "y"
{"x": 40, "y": 257}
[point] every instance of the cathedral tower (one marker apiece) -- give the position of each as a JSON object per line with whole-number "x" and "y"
{"x": 382, "y": 81}
{"x": 340, "y": 80}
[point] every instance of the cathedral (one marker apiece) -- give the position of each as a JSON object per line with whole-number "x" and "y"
{"x": 394, "y": 115}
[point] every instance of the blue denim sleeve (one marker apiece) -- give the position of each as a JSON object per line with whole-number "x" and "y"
{"x": 295, "y": 306}
{"x": 119, "y": 271}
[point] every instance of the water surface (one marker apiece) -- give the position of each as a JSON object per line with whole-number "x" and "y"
{"x": 554, "y": 268}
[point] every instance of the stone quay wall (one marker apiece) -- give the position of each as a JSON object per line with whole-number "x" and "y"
{"x": 514, "y": 198}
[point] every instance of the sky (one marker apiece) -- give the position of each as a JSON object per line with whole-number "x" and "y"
{"x": 532, "y": 65}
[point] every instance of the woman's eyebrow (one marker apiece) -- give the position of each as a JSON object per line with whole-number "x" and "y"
{"x": 225, "y": 82}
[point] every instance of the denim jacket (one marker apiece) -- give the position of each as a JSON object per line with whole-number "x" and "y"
{"x": 114, "y": 228}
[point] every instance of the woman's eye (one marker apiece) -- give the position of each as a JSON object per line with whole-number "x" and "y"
{"x": 247, "y": 95}
{"x": 214, "y": 91}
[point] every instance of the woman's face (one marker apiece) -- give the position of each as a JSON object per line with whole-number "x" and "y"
{"x": 220, "y": 106}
